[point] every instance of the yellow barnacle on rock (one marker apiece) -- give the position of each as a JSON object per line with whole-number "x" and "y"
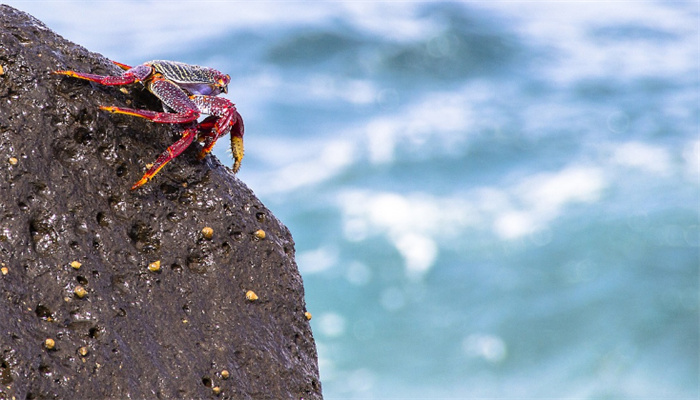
{"x": 216, "y": 390}
{"x": 250, "y": 295}
{"x": 80, "y": 291}
{"x": 13, "y": 161}
{"x": 207, "y": 232}
{"x": 225, "y": 374}
{"x": 49, "y": 343}
{"x": 4, "y": 270}
{"x": 307, "y": 315}
{"x": 76, "y": 264}
{"x": 154, "y": 266}
{"x": 83, "y": 351}
{"x": 260, "y": 234}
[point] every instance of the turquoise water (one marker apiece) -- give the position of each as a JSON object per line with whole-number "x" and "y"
{"x": 489, "y": 199}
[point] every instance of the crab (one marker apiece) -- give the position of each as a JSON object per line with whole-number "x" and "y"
{"x": 186, "y": 91}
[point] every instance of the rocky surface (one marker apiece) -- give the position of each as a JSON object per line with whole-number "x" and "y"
{"x": 69, "y": 221}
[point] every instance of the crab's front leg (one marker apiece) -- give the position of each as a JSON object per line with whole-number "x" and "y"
{"x": 228, "y": 120}
{"x": 171, "y": 152}
{"x": 131, "y": 75}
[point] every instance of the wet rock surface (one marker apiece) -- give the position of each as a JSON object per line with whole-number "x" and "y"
{"x": 76, "y": 245}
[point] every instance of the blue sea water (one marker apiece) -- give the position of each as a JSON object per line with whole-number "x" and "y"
{"x": 489, "y": 199}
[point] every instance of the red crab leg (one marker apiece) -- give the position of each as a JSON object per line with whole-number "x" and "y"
{"x": 209, "y": 132}
{"x": 161, "y": 117}
{"x": 135, "y": 74}
{"x": 171, "y": 152}
{"x": 229, "y": 120}
{"x": 205, "y": 128}
{"x": 205, "y": 134}
{"x": 209, "y": 137}
{"x": 172, "y": 96}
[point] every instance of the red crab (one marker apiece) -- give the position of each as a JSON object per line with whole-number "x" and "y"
{"x": 188, "y": 91}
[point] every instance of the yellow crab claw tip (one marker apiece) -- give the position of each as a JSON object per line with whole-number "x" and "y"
{"x": 122, "y": 66}
{"x": 68, "y": 73}
{"x": 237, "y": 151}
{"x": 141, "y": 182}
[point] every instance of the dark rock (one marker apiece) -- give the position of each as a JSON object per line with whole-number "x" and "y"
{"x": 64, "y": 196}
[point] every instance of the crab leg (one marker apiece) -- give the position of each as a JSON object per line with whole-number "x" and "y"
{"x": 132, "y": 75}
{"x": 122, "y": 66}
{"x": 229, "y": 120}
{"x": 161, "y": 117}
{"x": 205, "y": 128}
{"x": 171, "y": 152}
{"x": 172, "y": 96}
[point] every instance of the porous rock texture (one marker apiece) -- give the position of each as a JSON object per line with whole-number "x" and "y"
{"x": 66, "y": 169}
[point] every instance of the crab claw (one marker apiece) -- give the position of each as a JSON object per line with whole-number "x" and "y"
{"x": 237, "y": 152}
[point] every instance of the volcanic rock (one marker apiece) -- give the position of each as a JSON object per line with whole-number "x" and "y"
{"x": 111, "y": 293}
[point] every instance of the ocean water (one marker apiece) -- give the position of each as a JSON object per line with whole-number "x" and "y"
{"x": 489, "y": 199}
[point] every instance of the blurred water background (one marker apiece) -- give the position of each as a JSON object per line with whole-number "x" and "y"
{"x": 489, "y": 199}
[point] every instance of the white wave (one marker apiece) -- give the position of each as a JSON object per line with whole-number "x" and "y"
{"x": 691, "y": 157}
{"x": 410, "y": 222}
{"x": 646, "y": 157}
{"x": 147, "y": 27}
{"x": 417, "y": 224}
{"x": 331, "y": 324}
{"x": 435, "y": 124}
{"x": 317, "y": 260}
{"x": 299, "y": 164}
{"x": 324, "y": 87}
{"x": 438, "y": 119}
{"x": 567, "y": 27}
{"x": 491, "y": 348}
{"x": 141, "y": 29}
{"x": 541, "y": 198}
{"x": 392, "y": 20}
